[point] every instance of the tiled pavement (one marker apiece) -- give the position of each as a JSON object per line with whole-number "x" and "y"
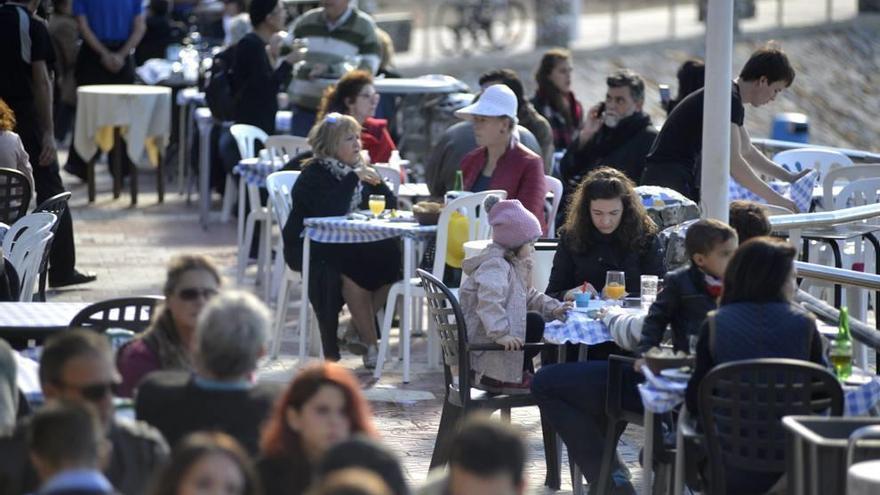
{"x": 129, "y": 247}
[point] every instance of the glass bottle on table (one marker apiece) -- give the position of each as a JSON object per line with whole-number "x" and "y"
{"x": 457, "y": 187}
{"x": 841, "y": 348}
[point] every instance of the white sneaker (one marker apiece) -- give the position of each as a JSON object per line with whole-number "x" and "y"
{"x": 370, "y": 357}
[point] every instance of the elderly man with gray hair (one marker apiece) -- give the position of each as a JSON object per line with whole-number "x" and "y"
{"x": 221, "y": 395}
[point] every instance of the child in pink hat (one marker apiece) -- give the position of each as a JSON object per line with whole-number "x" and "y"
{"x": 499, "y": 303}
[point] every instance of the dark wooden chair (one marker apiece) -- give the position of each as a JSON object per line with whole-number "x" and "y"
{"x": 742, "y": 404}
{"x": 56, "y": 205}
{"x": 15, "y": 195}
{"x": 129, "y": 313}
{"x": 462, "y": 398}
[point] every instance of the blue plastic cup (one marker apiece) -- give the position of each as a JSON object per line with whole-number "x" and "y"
{"x": 582, "y": 299}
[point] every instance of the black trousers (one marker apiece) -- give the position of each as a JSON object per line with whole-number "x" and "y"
{"x": 47, "y": 182}
{"x": 90, "y": 71}
{"x": 673, "y": 176}
{"x": 534, "y": 333}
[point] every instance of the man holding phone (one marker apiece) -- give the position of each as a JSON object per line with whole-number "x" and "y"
{"x": 674, "y": 159}
{"x": 615, "y": 133}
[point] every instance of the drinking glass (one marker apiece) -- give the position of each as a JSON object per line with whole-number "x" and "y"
{"x": 377, "y": 204}
{"x": 648, "y": 291}
{"x": 615, "y": 285}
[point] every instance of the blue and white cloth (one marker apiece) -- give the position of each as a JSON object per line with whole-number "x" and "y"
{"x": 254, "y": 171}
{"x": 577, "y": 329}
{"x": 661, "y": 395}
{"x": 362, "y": 228}
{"x": 801, "y": 191}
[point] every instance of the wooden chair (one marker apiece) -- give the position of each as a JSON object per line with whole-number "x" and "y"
{"x": 15, "y": 195}
{"x": 460, "y": 397}
{"x": 742, "y": 404}
{"x": 130, "y": 313}
{"x": 56, "y": 205}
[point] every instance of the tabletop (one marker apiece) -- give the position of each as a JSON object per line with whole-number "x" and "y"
{"x": 35, "y": 320}
{"x": 431, "y": 84}
{"x": 124, "y": 90}
{"x": 359, "y": 227}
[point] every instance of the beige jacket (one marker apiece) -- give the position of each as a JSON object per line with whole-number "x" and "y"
{"x": 495, "y": 299}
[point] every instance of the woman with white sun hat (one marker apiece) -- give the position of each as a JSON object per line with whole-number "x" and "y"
{"x": 500, "y": 161}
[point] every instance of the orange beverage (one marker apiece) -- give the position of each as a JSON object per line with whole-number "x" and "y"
{"x": 615, "y": 291}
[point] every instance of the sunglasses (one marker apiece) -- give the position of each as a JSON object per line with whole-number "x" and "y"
{"x": 95, "y": 392}
{"x": 192, "y": 293}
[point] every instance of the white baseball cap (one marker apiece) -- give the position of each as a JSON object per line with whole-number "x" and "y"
{"x": 495, "y": 101}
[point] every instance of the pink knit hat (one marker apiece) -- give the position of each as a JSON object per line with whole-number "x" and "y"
{"x": 512, "y": 224}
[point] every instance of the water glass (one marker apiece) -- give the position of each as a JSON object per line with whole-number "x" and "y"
{"x": 649, "y": 286}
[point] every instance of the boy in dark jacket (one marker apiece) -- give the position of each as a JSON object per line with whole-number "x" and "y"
{"x": 691, "y": 291}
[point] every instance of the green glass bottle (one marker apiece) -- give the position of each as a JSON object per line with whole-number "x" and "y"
{"x": 841, "y": 348}
{"x": 459, "y": 182}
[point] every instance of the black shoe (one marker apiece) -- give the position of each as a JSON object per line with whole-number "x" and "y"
{"x": 74, "y": 278}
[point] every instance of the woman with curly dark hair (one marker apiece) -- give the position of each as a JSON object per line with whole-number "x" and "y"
{"x": 322, "y": 407}
{"x": 12, "y": 153}
{"x": 355, "y": 95}
{"x": 606, "y": 229}
{"x": 208, "y": 463}
{"x": 554, "y": 98}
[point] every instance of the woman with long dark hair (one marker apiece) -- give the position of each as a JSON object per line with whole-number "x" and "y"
{"x": 167, "y": 344}
{"x": 555, "y": 99}
{"x": 606, "y": 229}
{"x": 208, "y": 463}
{"x": 757, "y": 318}
{"x": 322, "y": 407}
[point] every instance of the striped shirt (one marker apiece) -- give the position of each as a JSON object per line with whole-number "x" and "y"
{"x": 351, "y": 41}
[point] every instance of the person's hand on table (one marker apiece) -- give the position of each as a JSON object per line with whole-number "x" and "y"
{"x": 561, "y": 312}
{"x": 569, "y": 295}
{"x": 47, "y": 150}
{"x": 638, "y": 364}
{"x": 510, "y": 343}
{"x": 368, "y": 175}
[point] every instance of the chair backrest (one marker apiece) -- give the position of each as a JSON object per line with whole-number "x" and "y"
{"x": 390, "y": 175}
{"x": 280, "y": 145}
{"x": 478, "y": 224}
{"x": 820, "y": 160}
{"x": 56, "y": 205}
{"x": 130, "y": 313}
{"x": 245, "y": 137}
{"x": 280, "y": 186}
{"x": 31, "y": 250}
{"x": 742, "y": 404}
{"x": 859, "y": 192}
{"x": 849, "y": 174}
{"x": 15, "y": 195}
{"x": 554, "y": 185}
{"x": 448, "y": 318}
{"x": 773, "y": 210}
{"x": 22, "y": 233}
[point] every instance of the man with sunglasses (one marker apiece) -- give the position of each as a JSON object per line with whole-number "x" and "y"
{"x": 77, "y": 366}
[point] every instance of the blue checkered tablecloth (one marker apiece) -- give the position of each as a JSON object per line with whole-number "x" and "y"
{"x": 661, "y": 395}
{"x": 345, "y": 230}
{"x": 578, "y": 328}
{"x": 801, "y": 191}
{"x": 254, "y": 171}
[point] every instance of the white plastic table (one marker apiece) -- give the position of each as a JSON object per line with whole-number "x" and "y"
{"x": 345, "y": 230}
{"x": 36, "y": 320}
{"x": 419, "y": 85}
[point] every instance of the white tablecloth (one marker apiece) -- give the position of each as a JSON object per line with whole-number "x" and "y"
{"x": 143, "y": 111}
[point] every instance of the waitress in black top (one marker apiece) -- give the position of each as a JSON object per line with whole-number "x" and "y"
{"x": 337, "y": 182}
{"x": 606, "y": 229}
{"x": 255, "y": 83}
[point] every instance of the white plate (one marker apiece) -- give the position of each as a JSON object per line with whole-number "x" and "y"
{"x": 858, "y": 379}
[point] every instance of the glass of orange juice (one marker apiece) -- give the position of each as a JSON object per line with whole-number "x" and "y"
{"x": 376, "y": 204}
{"x": 615, "y": 285}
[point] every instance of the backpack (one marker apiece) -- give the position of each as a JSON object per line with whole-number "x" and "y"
{"x": 219, "y": 94}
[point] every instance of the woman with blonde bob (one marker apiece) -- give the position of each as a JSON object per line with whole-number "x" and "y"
{"x": 336, "y": 182}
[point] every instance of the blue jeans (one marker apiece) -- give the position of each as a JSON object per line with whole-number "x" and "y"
{"x": 571, "y": 397}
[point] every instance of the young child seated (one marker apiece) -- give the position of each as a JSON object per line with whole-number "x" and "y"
{"x": 497, "y": 295}
{"x": 690, "y": 291}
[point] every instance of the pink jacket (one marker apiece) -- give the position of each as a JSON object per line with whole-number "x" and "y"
{"x": 520, "y": 172}
{"x": 494, "y": 299}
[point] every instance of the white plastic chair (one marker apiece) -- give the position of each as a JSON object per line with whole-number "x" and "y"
{"x": 773, "y": 210}
{"x": 246, "y": 137}
{"x": 554, "y": 185}
{"x": 478, "y": 228}
{"x": 390, "y": 175}
{"x": 24, "y": 244}
{"x": 281, "y": 145}
{"x": 820, "y": 160}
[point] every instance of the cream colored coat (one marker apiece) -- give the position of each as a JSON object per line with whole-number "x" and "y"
{"x": 495, "y": 299}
